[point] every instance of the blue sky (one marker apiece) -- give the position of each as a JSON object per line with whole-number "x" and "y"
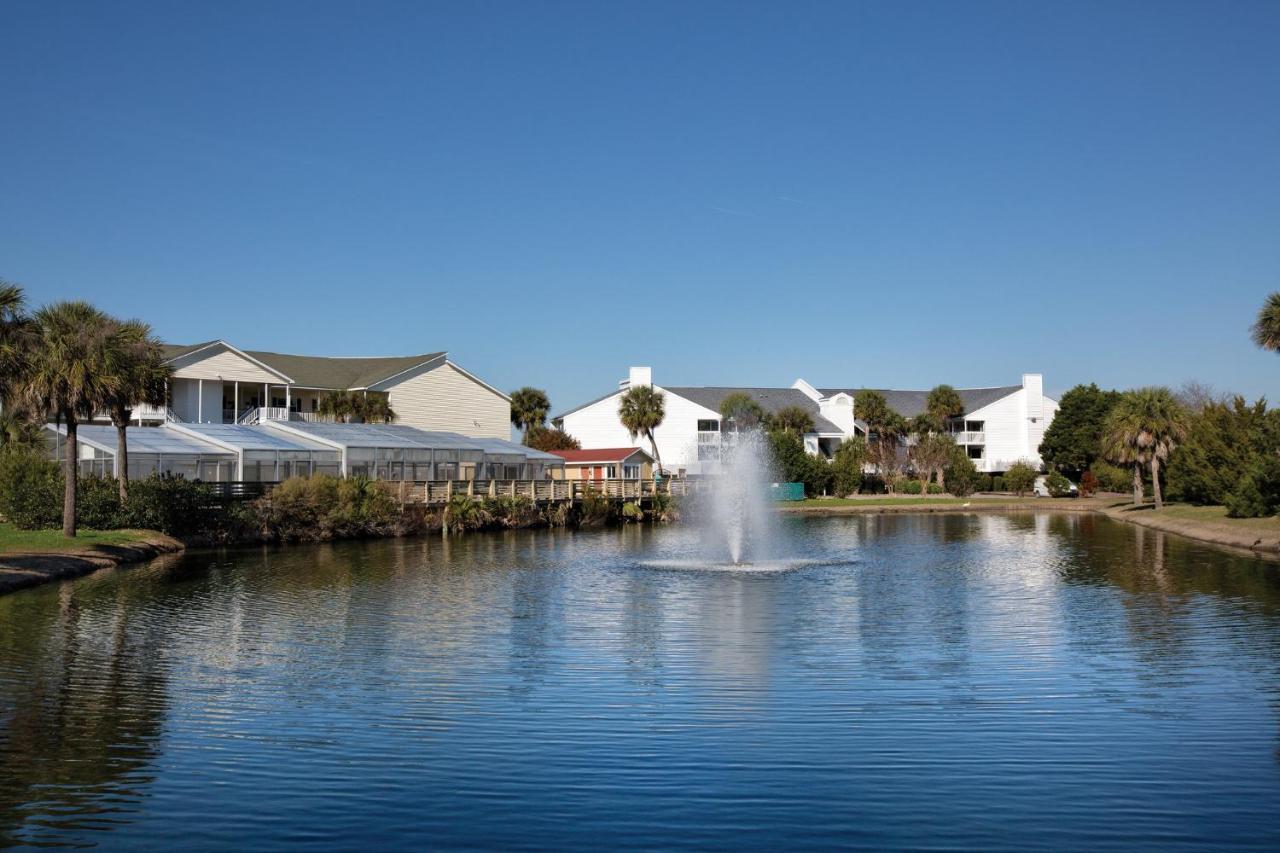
{"x": 738, "y": 193}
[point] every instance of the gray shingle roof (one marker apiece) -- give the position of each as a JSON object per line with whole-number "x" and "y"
{"x": 911, "y": 403}
{"x": 313, "y": 371}
{"x": 770, "y": 399}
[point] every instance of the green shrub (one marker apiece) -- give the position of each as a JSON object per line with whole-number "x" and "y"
{"x": 595, "y": 508}
{"x": 997, "y": 483}
{"x": 1020, "y": 478}
{"x": 909, "y": 487}
{"x": 1058, "y": 485}
{"x": 935, "y": 489}
{"x": 324, "y": 507}
{"x": 508, "y": 511}
{"x": 1221, "y": 448}
{"x": 962, "y": 475}
{"x": 98, "y": 503}
{"x": 793, "y": 464}
{"x": 1258, "y": 494}
{"x": 30, "y": 489}
{"x": 846, "y": 467}
{"x": 1112, "y": 478}
{"x": 172, "y": 505}
{"x": 632, "y": 512}
{"x": 665, "y": 507}
{"x": 464, "y": 512}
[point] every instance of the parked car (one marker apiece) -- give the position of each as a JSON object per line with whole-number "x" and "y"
{"x": 1041, "y": 488}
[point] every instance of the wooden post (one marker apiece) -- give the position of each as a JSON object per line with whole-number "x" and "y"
{"x": 471, "y": 488}
{"x": 493, "y": 488}
{"x": 448, "y": 490}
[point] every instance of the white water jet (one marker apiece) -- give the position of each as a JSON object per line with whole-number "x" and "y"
{"x": 736, "y": 513}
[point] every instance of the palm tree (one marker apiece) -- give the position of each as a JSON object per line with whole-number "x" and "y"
{"x": 15, "y": 329}
{"x": 942, "y": 404}
{"x": 71, "y": 372}
{"x": 142, "y": 377}
{"x": 1144, "y": 427}
{"x": 641, "y": 411}
{"x": 740, "y": 410}
{"x": 1266, "y": 330}
{"x": 529, "y": 409}
{"x": 19, "y": 430}
{"x": 886, "y": 425}
{"x": 373, "y": 408}
{"x": 793, "y": 419}
{"x": 339, "y": 405}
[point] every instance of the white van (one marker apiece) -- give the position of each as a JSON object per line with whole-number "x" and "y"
{"x": 1041, "y": 488}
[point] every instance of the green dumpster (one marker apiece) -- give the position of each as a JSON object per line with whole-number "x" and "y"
{"x": 788, "y": 491}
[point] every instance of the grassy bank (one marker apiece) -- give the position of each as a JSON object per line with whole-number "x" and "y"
{"x": 30, "y": 557}
{"x": 15, "y": 541}
{"x": 1205, "y": 523}
{"x": 936, "y": 503}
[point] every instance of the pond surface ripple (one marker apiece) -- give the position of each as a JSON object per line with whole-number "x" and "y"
{"x": 942, "y": 682}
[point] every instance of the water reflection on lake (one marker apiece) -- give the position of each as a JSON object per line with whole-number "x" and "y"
{"x": 1028, "y": 681}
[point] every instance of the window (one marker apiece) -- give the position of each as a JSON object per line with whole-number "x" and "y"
{"x": 708, "y": 426}
{"x": 631, "y": 472}
{"x": 975, "y": 451}
{"x": 611, "y": 472}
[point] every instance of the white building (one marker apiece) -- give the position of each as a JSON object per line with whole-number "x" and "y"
{"x": 217, "y": 383}
{"x": 1000, "y": 425}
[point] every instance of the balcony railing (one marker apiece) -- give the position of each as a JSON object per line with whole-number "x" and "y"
{"x": 969, "y": 437}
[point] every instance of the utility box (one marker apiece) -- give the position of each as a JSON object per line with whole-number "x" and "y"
{"x": 788, "y": 491}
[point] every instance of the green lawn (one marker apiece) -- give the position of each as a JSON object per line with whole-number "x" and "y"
{"x": 892, "y": 501}
{"x": 1204, "y": 519}
{"x": 13, "y": 540}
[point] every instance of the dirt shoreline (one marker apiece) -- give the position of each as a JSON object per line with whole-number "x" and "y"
{"x": 22, "y": 570}
{"x": 1222, "y": 533}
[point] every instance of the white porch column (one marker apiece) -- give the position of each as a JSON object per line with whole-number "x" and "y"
{"x": 235, "y": 402}
{"x": 266, "y": 401}
{"x": 287, "y": 397}
{"x": 199, "y": 401}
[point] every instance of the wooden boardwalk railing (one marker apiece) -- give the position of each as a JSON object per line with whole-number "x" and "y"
{"x": 438, "y": 492}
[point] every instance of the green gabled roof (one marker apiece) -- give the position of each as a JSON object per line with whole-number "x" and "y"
{"x": 316, "y": 371}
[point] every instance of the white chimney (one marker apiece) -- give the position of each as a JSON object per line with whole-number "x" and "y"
{"x": 640, "y": 376}
{"x": 1033, "y": 384}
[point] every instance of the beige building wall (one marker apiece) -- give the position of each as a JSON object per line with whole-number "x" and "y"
{"x": 442, "y": 397}
{"x": 218, "y": 361}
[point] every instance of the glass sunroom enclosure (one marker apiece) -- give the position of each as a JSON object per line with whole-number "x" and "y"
{"x": 267, "y": 456}
{"x": 277, "y": 450}
{"x": 151, "y": 451}
{"x": 399, "y": 452}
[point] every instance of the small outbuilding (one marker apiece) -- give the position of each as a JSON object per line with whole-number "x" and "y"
{"x": 606, "y": 463}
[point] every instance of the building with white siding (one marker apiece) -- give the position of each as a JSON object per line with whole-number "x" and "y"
{"x": 1000, "y": 425}
{"x": 218, "y": 383}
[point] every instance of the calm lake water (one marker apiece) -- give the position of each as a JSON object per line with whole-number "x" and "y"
{"x": 1032, "y": 681}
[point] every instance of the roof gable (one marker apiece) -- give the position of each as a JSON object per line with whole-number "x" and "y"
{"x": 313, "y": 371}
